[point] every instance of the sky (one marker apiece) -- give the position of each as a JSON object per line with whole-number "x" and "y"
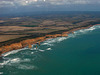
{"x": 48, "y": 5}
{"x": 16, "y": 3}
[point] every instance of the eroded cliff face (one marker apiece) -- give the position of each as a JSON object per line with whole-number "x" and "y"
{"x": 56, "y": 35}
{"x": 10, "y": 47}
{"x": 28, "y": 42}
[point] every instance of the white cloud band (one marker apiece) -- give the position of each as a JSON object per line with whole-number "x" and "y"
{"x": 6, "y": 3}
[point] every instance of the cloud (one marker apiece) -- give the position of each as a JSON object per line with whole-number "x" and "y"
{"x": 6, "y": 3}
{"x": 80, "y": 2}
{"x": 15, "y": 3}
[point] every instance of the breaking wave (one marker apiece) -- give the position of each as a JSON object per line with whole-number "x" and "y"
{"x": 48, "y": 49}
{"x": 22, "y": 59}
{"x": 50, "y": 42}
{"x": 13, "y": 52}
{"x": 84, "y": 31}
{"x": 14, "y": 61}
{"x": 1, "y": 72}
{"x": 26, "y": 67}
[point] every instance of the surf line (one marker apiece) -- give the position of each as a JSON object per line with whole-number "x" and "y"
{"x": 38, "y": 40}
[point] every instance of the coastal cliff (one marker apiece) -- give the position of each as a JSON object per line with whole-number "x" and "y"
{"x": 28, "y": 42}
{"x": 20, "y": 32}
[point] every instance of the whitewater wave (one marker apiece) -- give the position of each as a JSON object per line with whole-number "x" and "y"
{"x": 87, "y": 30}
{"x": 48, "y": 49}
{"x": 13, "y": 52}
{"x": 32, "y": 52}
{"x": 46, "y": 45}
{"x": 1, "y": 72}
{"x": 26, "y": 67}
{"x": 41, "y": 50}
{"x": 50, "y": 42}
{"x": 14, "y": 61}
{"x": 18, "y": 63}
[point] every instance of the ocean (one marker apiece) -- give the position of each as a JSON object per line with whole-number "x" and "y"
{"x": 77, "y": 54}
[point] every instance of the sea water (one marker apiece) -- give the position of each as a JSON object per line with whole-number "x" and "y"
{"x": 77, "y": 54}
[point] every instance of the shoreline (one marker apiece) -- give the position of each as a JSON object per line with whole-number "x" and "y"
{"x": 29, "y": 42}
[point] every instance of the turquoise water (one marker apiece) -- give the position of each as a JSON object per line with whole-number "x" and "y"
{"x": 77, "y": 54}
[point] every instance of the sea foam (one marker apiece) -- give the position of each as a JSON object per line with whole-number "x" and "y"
{"x": 13, "y": 52}
{"x": 48, "y": 49}
{"x": 87, "y": 30}
{"x": 17, "y": 60}
{"x": 1, "y": 73}
{"x": 50, "y": 42}
{"x": 26, "y": 67}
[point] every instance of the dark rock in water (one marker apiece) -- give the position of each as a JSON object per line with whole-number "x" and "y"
{"x": 1, "y": 58}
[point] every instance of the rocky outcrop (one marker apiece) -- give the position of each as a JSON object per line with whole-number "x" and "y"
{"x": 10, "y": 47}
{"x": 29, "y": 42}
{"x": 56, "y": 35}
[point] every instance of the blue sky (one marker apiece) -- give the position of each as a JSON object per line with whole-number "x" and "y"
{"x": 49, "y": 5}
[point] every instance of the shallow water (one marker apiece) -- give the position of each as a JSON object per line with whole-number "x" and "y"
{"x": 77, "y": 54}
